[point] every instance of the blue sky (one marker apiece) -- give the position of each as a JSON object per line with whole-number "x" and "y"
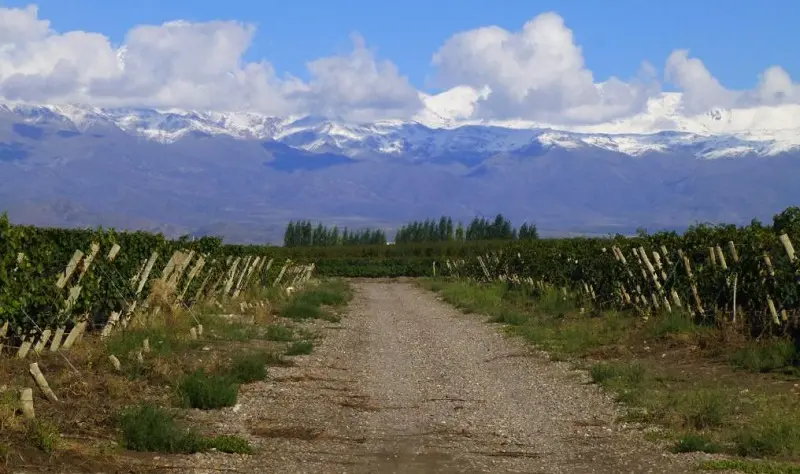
{"x": 735, "y": 39}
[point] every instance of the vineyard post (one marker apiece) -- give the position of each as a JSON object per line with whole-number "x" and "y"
{"x": 246, "y": 271}
{"x": 3, "y": 333}
{"x": 735, "y": 259}
{"x": 196, "y": 269}
{"x": 142, "y": 281}
{"x": 771, "y": 304}
{"x": 200, "y": 289}
{"x": 231, "y": 275}
{"x": 254, "y": 271}
{"x": 280, "y": 275}
{"x": 788, "y": 247}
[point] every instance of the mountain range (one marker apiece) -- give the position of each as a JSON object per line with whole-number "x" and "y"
{"x": 243, "y": 175}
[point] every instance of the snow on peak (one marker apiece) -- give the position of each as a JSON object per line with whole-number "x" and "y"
{"x": 445, "y": 126}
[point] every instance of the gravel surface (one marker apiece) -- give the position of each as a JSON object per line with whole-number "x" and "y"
{"x": 408, "y": 384}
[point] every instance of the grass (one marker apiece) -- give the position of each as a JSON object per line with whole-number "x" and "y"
{"x": 749, "y": 467}
{"x": 207, "y": 391}
{"x": 279, "y": 333}
{"x": 300, "y": 348}
{"x": 696, "y": 443}
{"x": 148, "y": 428}
{"x": 249, "y": 368}
{"x": 766, "y": 356}
{"x": 43, "y": 435}
{"x": 700, "y": 411}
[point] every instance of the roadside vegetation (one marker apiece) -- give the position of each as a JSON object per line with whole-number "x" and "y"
{"x": 165, "y": 375}
{"x": 708, "y": 387}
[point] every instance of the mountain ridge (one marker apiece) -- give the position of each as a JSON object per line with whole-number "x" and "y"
{"x": 245, "y": 175}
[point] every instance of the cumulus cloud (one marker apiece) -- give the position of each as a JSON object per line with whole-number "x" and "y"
{"x": 536, "y": 73}
{"x": 702, "y": 91}
{"x": 188, "y": 65}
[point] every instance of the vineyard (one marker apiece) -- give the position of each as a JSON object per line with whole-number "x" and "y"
{"x": 55, "y": 284}
{"x": 711, "y": 272}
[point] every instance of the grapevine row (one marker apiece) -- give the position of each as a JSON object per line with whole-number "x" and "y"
{"x": 711, "y": 272}
{"x": 57, "y": 283}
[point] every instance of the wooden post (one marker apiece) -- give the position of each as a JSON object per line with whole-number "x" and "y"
{"x": 788, "y": 247}
{"x": 72, "y": 265}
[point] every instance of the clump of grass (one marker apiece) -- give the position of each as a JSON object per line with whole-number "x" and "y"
{"x": 766, "y": 356}
{"x": 749, "y": 467}
{"x": 705, "y": 408}
{"x": 509, "y": 316}
{"x": 300, "y": 348}
{"x": 298, "y": 310}
{"x": 631, "y": 373}
{"x": 772, "y": 434}
{"x": 248, "y": 368}
{"x": 127, "y": 342}
{"x": 691, "y": 443}
{"x": 207, "y": 391}
{"x": 327, "y": 293}
{"x": 148, "y": 428}
{"x": 674, "y": 322}
{"x": 43, "y": 435}
{"x": 279, "y": 333}
{"x": 230, "y": 444}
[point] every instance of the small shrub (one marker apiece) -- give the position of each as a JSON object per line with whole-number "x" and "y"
{"x": 507, "y": 316}
{"x": 703, "y": 409}
{"x": 230, "y": 444}
{"x": 696, "y": 443}
{"x": 772, "y": 435}
{"x": 43, "y": 435}
{"x": 248, "y": 368}
{"x": 297, "y": 310}
{"x": 208, "y": 391}
{"x": 279, "y": 333}
{"x": 328, "y": 293}
{"x": 675, "y": 322}
{"x": 766, "y": 356}
{"x": 148, "y": 428}
{"x": 300, "y": 348}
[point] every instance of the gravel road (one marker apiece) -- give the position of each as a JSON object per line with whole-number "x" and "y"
{"x": 407, "y": 384}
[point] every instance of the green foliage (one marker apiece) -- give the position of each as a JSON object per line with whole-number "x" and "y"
{"x": 305, "y": 234}
{"x": 300, "y": 348}
{"x": 207, "y": 391}
{"x": 766, "y": 355}
{"x": 692, "y": 443}
{"x": 148, "y": 428}
{"x": 279, "y": 333}
{"x": 248, "y": 368}
{"x": 33, "y": 259}
{"x": 43, "y": 435}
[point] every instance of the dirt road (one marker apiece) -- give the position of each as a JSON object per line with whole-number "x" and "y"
{"x": 407, "y": 384}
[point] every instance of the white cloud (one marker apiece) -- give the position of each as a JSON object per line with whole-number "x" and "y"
{"x": 536, "y": 73}
{"x": 702, "y": 91}
{"x": 187, "y": 65}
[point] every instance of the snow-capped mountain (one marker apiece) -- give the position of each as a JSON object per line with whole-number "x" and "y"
{"x": 243, "y": 175}
{"x": 443, "y": 127}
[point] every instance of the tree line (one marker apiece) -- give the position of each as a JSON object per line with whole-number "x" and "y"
{"x": 305, "y": 234}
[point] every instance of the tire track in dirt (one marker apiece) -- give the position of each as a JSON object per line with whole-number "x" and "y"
{"x": 407, "y": 384}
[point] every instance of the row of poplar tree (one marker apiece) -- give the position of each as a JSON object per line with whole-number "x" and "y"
{"x": 304, "y": 233}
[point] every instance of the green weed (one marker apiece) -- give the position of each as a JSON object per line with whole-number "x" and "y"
{"x": 300, "y": 348}
{"x": 249, "y": 368}
{"x": 766, "y": 356}
{"x": 207, "y": 391}
{"x": 43, "y": 435}
{"x": 696, "y": 443}
{"x": 279, "y": 333}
